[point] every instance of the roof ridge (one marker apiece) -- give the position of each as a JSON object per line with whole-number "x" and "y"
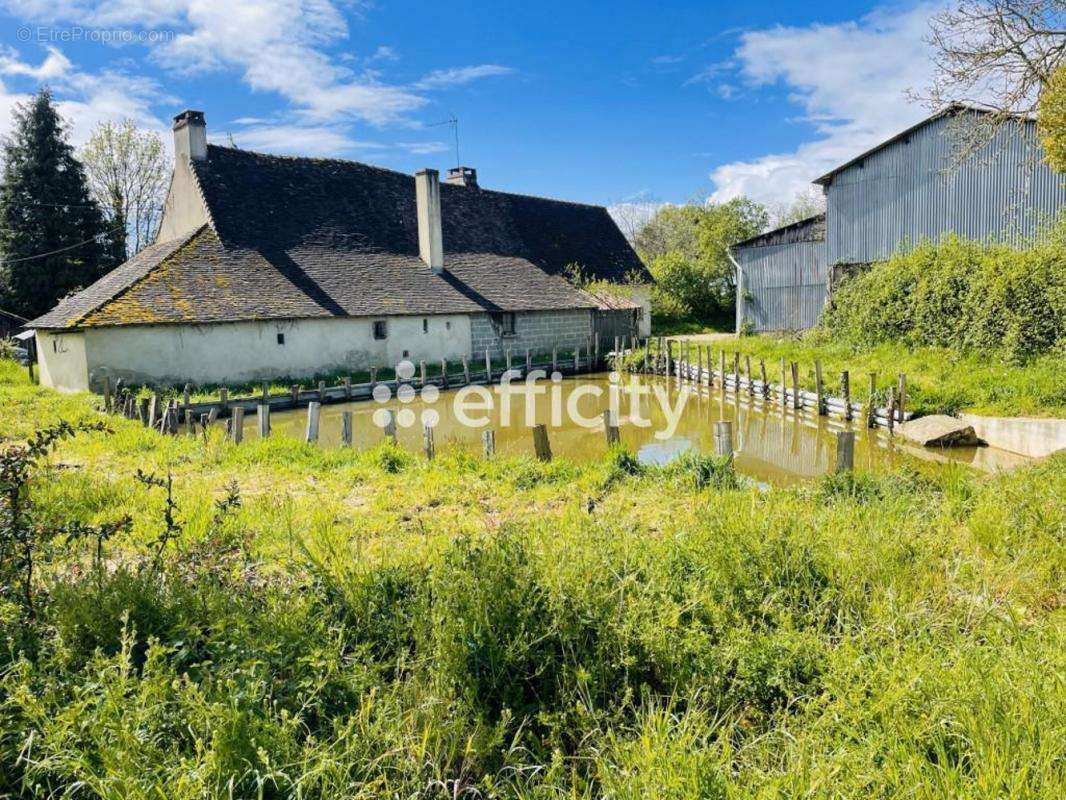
{"x": 364, "y": 164}
{"x": 182, "y": 241}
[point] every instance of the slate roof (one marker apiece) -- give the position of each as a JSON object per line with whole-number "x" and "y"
{"x": 299, "y": 237}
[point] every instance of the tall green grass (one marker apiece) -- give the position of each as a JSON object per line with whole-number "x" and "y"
{"x": 369, "y": 624}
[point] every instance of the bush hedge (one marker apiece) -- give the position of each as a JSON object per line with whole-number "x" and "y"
{"x": 965, "y": 295}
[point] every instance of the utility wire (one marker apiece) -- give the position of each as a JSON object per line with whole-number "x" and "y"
{"x": 61, "y": 249}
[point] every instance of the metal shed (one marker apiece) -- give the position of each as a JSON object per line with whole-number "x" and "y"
{"x": 782, "y": 280}
{"x": 916, "y": 186}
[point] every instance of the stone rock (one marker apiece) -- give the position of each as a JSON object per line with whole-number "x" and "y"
{"x": 939, "y": 430}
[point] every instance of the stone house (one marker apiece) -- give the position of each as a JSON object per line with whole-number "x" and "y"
{"x": 267, "y": 267}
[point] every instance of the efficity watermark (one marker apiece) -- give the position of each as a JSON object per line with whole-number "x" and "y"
{"x": 48, "y": 34}
{"x": 514, "y": 402}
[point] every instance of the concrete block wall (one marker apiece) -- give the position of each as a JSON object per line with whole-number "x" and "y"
{"x": 540, "y": 331}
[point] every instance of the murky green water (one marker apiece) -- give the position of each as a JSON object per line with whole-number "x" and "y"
{"x": 773, "y": 444}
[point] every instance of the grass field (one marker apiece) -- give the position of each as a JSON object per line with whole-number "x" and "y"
{"x": 938, "y": 380}
{"x": 375, "y": 625}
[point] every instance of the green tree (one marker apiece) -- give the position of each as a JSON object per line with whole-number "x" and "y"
{"x": 1052, "y": 120}
{"x": 53, "y": 239}
{"x": 127, "y": 170}
{"x": 686, "y": 249}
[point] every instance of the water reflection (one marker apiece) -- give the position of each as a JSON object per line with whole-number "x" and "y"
{"x": 773, "y": 444}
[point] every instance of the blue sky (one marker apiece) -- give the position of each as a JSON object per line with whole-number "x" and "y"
{"x": 612, "y": 103}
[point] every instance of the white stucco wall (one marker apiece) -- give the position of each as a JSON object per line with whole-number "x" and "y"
{"x": 62, "y": 361}
{"x": 244, "y": 351}
{"x": 642, "y": 295}
{"x": 184, "y": 210}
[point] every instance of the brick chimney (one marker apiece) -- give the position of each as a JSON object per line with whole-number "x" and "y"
{"x": 190, "y": 136}
{"x": 427, "y": 201}
{"x": 462, "y": 176}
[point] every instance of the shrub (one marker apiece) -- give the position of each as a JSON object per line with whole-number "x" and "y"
{"x": 964, "y": 295}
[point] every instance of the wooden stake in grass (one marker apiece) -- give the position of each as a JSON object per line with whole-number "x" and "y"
{"x": 762, "y": 377}
{"x": 541, "y": 446}
{"x": 488, "y": 443}
{"x": 529, "y": 361}
{"x": 142, "y": 408}
{"x": 346, "y": 428}
{"x": 610, "y": 428}
{"x": 488, "y": 367}
{"x": 390, "y": 425}
{"x": 723, "y": 438}
{"x": 347, "y": 387}
{"x": 577, "y": 362}
{"x": 736, "y": 372}
{"x": 263, "y": 418}
{"x": 891, "y": 410}
{"x": 153, "y": 411}
{"x": 845, "y": 451}
{"x": 555, "y": 359}
{"x": 321, "y": 391}
{"x": 427, "y": 441}
{"x": 314, "y": 408}
{"x": 294, "y": 390}
{"x": 421, "y": 373}
{"x": 902, "y": 395}
{"x": 223, "y": 397}
{"x": 507, "y": 357}
{"x": 845, "y": 392}
{"x": 819, "y": 389}
{"x": 747, "y": 369}
{"x": 466, "y": 370}
{"x": 795, "y": 386}
{"x": 236, "y": 425}
{"x": 107, "y": 395}
{"x": 871, "y": 404}
{"x": 444, "y": 373}
{"x": 721, "y": 367}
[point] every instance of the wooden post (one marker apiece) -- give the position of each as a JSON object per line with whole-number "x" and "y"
{"x": 891, "y": 409}
{"x": 346, "y": 428}
{"x": 186, "y": 395}
{"x": 263, "y": 418}
{"x": 784, "y": 385}
{"x": 555, "y": 359}
{"x": 845, "y": 451}
{"x": 540, "y": 443}
{"x": 614, "y": 350}
{"x": 205, "y": 421}
{"x": 172, "y": 418}
{"x": 762, "y": 377}
{"x": 871, "y": 405}
{"x": 373, "y": 378}
{"x": 723, "y": 438}
{"x": 819, "y": 388}
{"x": 488, "y": 443}
{"x": 645, "y": 367}
{"x": 466, "y": 370}
{"x": 507, "y": 359}
{"x": 295, "y": 391}
{"x": 529, "y": 362}
{"x": 427, "y": 441}
{"x": 845, "y": 391}
{"x": 212, "y": 415}
{"x": 736, "y": 372}
{"x": 236, "y": 425}
{"x": 265, "y": 397}
{"x": 390, "y": 425}
{"x": 796, "y": 404}
{"x": 747, "y": 369}
{"x": 321, "y": 391}
{"x": 421, "y": 373}
{"x": 596, "y": 345}
{"x": 190, "y": 423}
{"x": 154, "y": 411}
{"x": 223, "y": 397}
{"x": 902, "y": 401}
{"x": 488, "y": 367}
{"x": 142, "y": 407}
{"x": 348, "y": 387}
{"x": 314, "y": 409}
{"x": 721, "y": 367}
{"x": 577, "y": 365}
{"x": 610, "y": 428}
{"x": 444, "y": 373}
{"x": 107, "y": 395}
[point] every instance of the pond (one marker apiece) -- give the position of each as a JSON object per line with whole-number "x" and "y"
{"x": 659, "y": 419}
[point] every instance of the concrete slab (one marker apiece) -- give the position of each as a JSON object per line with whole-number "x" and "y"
{"x": 939, "y": 430}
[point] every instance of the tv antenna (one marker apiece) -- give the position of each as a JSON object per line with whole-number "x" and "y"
{"x": 453, "y": 121}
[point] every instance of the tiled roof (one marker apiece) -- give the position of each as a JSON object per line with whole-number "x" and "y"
{"x": 298, "y": 237}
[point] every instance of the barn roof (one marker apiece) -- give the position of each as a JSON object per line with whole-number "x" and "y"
{"x": 952, "y": 110}
{"x": 301, "y": 237}
{"x": 805, "y": 230}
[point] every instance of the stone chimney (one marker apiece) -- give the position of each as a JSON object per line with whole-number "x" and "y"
{"x": 462, "y": 176}
{"x": 190, "y": 136}
{"x": 427, "y": 200}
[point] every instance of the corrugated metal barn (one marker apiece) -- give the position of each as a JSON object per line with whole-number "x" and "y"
{"x": 782, "y": 282}
{"x": 909, "y": 188}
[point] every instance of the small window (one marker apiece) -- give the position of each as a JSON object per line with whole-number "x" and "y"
{"x": 507, "y": 324}
{"x": 447, "y": 325}
{"x": 425, "y": 326}
{"x": 381, "y": 330}
{"x": 281, "y": 338}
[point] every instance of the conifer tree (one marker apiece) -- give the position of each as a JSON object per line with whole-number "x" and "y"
{"x": 53, "y": 239}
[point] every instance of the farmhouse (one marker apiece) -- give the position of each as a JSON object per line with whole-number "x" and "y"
{"x": 912, "y": 187}
{"x": 268, "y": 267}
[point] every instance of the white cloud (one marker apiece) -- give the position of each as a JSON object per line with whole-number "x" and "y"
{"x": 849, "y": 79}
{"x": 457, "y": 76}
{"x": 55, "y": 65}
{"x": 302, "y": 140}
{"x": 424, "y": 148}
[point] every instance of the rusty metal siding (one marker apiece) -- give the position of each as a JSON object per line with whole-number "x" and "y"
{"x": 907, "y": 192}
{"x": 784, "y": 286}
